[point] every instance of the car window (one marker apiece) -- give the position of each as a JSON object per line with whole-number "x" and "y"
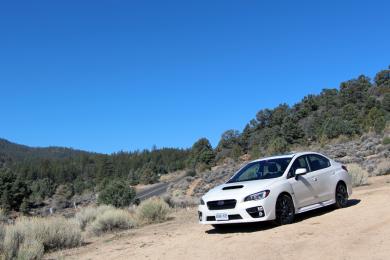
{"x": 249, "y": 173}
{"x": 300, "y": 162}
{"x": 266, "y": 169}
{"x": 317, "y": 162}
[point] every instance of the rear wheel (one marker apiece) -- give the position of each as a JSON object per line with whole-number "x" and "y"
{"x": 285, "y": 210}
{"x": 341, "y": 196}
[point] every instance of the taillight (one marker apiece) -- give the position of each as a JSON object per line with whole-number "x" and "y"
{"x": 344, "y": 168}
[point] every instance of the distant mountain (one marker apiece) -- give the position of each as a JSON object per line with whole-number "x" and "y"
{"x": 18, "y": 152}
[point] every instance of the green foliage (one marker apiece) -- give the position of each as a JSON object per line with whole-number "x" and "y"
{"x": 386, "y": 140}
{"x": 13, "y": 190}
{"x": 277, "y": 146}
{"x": 202, "y": 154}
{"x": 117, "y": 193}
{"x": 382, "y": 78}
{"x": 148, "y": 176}
{"x": 229, "y": 145}
{"x": 375, "y": 120}
{"x": 336, "y": 126}
{"x": 386, "y": 102}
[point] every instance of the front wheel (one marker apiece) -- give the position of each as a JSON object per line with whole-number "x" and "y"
{"x": 285, "y": 210}
{"x": 341, "y": 196}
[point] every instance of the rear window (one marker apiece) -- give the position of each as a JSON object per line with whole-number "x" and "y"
{"x": 318, "y": 162}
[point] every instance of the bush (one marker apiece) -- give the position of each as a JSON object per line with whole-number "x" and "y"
{"x": 87, "y": 215}
{"x": 110, "y": 220}
{"x": 51, "y": 233}
{"x": 117, "y": 193}
{"x": 153, "y": 210}
{"x": 191, "y": 173}
{"x": 386, "y": 140}
{"x": 181, "y": 202}
{"x": 359, "y": 175}
{"x": 31, "y": 250}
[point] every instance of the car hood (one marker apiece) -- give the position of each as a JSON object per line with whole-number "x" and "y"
{"x": 237, "y": 190}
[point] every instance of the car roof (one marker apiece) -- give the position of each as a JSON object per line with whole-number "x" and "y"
{"x": 289, "y": 155}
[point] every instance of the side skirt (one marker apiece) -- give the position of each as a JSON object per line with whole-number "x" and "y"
{"x": 316, "y": 206}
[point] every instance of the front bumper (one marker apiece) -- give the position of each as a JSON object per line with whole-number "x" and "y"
{"x": 240, "y": 213}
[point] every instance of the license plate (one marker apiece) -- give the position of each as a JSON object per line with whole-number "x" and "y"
{"x": 221, "y": 217}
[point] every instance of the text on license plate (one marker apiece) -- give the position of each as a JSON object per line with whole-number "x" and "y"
{"x": 221, "y": 217}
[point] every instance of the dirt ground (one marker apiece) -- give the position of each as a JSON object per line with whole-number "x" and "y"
{"x": 360, "y": 231}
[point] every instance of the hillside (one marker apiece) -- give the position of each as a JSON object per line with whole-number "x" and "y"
{"x": 18, "y": 152}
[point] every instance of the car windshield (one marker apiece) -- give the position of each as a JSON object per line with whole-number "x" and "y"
{"x": 260, "y": 170}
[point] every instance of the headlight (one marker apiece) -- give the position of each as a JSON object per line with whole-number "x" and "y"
{"x": 201, "y": 202}
{"x": 257, "y": 196}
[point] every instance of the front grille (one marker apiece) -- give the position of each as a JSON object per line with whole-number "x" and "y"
{"x": 231, "y": 217}
{"x": 221, "y": 204}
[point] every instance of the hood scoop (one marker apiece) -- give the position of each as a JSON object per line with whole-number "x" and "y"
{"x": 233, "y": 187}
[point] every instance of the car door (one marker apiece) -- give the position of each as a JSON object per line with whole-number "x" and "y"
{"x": 321, "y": 173}
{"x": 302, "y": 185}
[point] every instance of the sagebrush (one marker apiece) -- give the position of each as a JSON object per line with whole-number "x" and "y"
{"x": 87, "y": 215}
{"x": 153, "y": 210}
{"x": 359, "y": 175}
{"x": 35, "y": 233}
{"x": 111, "y": 220}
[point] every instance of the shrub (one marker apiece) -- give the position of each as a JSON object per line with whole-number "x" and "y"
{"x": 117, "y": 193}
{"x": 110, "y": 220}
{"x": 49, "y": 233}
{"x": 386, "y": 140}
{"x": 359, "y": 175}
{"x": 87, "y": 215}
{"x": 181, "y": 202}
{"x": 31, "y": 250}
{"x": 191, "y": 173}
{"x": 152, "y": 210}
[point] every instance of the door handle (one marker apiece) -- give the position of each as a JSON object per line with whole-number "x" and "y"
{"x": 314, "y": 179}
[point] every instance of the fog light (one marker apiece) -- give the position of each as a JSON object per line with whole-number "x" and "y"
{"x": 200, "y": 215}
{"x": 256, "y": 212}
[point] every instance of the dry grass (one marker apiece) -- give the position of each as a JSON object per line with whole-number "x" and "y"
{"x": 153, "y": 210}
{"x": 30, "y": 250}
{"x": 29, "y": 235}
{"x": 383, "y": 167}
{"x": 87, "y": 215}
{"x": 2, "y": 235}
{"x": 359, "y": 175}
{"x": 3, "y": 216}
{"x": 111, "y": 220}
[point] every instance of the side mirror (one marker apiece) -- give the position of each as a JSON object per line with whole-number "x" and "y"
{"x": 300, "y": 171}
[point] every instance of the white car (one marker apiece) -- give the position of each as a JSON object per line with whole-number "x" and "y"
{"x": 277, "y": 188}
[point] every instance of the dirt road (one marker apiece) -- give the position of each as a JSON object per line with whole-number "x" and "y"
{"x": 361, "y": 231}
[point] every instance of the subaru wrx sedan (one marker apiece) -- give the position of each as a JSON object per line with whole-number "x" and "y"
{"x": 276, "y": 188}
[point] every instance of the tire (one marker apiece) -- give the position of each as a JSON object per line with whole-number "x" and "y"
{"x": 284, "y": 210}
{"x": 341, "y": 196}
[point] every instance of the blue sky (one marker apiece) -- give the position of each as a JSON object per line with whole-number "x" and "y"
{"x": 106, "y": 76}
